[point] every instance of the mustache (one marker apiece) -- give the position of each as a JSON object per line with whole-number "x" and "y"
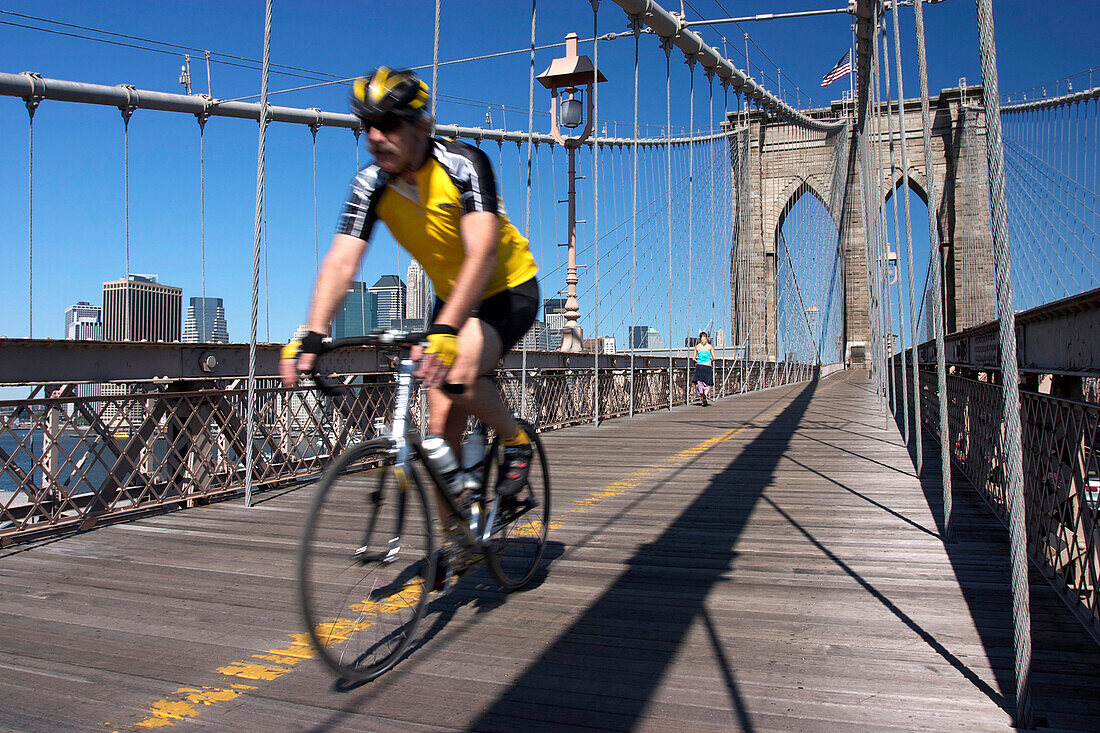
{"x": 383, "y": 148}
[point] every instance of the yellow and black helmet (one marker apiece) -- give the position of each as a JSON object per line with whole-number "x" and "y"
{"x": 389, "y": 93}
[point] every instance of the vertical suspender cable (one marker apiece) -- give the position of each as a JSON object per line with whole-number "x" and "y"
{"x": 917, "y": 430}
{"x": 527, "y": 199}
{"x": 937, "y": 282}
{"x": 636, "y": 25}
{"x": 595, "y": 209}
{"x": 32, "y": 105}
{"x": 316, "y": 244}
{"x": 666, "y": 43}
{"x": 897, "y": 243}
{"x": 126, "y": 113}
{"x": 250, "y": 417}
{"x": 1010, "y": 376}
{"x": 202, "y": 223}
{"x": 691, "y": 202}
{"x": 435, "y": 63}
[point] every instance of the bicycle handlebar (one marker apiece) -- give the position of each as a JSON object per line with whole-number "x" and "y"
{"x": 376, "y": 338}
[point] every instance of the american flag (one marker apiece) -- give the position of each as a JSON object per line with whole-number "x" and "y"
{"x": 841, "y": 70}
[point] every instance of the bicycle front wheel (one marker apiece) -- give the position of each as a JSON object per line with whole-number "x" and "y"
{"x": 365, "y": 563}
{"x": 518, "y": 535}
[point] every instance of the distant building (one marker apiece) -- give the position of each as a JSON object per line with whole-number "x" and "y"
{"x": 690, "y": 341}
{"x": 639, "y": 337}
{"x": 138, "y": 308}
{"x": 537, "y": 338}
{"x": 205, "y": 322}
{"x": 653, "y": 338}
{"x": 419, "y": 303}
{"x": 84, "y": 322}
{"x": 358, "y": 315}
{"x": 719, "y": 339}
{"x": 606, "y": 344}
{"x": 390, "y": 292}
{"x": 409, "y": 324}
{"x": 554, "y": 316}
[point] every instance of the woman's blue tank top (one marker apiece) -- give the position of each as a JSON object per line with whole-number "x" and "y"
{"x": 704, "y": 357}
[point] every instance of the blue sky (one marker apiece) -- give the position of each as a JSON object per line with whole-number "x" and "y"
{"x": 78, "y": 225}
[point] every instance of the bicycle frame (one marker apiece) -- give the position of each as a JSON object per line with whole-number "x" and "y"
{"x": 403, "y": 443}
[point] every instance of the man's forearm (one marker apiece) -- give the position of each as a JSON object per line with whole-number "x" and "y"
{"x": 480, "y": 232}
{"x": 333, "y": 280}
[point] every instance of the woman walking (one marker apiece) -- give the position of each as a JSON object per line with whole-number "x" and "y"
{"x": 704, "y": 370}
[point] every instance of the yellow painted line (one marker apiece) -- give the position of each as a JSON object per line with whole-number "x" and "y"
{"x": 187, "y": 702}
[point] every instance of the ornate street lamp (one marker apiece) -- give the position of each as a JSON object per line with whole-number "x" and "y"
{"x": 570, "y": 79}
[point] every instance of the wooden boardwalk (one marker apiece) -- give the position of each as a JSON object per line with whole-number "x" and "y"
{"x": 769, "y": 563}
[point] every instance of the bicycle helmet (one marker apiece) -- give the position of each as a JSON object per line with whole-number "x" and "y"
{"x": 385, "y": 93}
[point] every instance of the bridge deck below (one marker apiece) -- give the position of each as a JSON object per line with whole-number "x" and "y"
{"x": 767, "y": 563}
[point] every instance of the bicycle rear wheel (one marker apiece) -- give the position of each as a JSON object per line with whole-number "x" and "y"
{"x": 365, "y": 563}
{"x": 522, "y": 522}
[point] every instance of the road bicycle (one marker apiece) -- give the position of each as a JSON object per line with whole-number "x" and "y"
{"x": 368, "y": 556}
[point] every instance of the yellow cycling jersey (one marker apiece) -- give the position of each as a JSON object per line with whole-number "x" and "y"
{"x": 457, "y": 179}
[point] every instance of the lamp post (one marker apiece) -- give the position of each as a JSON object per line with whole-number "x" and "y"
{"x": 565, "y": 78}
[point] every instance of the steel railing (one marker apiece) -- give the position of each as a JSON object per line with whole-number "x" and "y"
{"x": 1061, "y": 462}
{"x": 78, "y": 454}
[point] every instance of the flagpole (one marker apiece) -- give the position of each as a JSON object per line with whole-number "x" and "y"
{"x": 851, "y": 70}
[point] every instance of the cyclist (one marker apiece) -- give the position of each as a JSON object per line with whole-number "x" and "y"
{"x": 438, "y": 198}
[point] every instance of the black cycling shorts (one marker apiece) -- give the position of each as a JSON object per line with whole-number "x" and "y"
{"x": 510, "y": 312}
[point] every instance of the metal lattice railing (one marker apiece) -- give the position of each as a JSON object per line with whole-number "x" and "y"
{"x": 84, "y": 453}
{"x": 1061, "y": 462}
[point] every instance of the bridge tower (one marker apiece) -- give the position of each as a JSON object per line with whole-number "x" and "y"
{"x": 783, "y": 164}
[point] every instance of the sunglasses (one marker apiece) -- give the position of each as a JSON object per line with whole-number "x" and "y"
{"x": 384, "y": 124}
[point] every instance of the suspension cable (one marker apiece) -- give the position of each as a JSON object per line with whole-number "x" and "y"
{"x": 250, "y": 417}
{"x": 917, "y": 427}
{"x": 596, "y": 210}
{"x": 635, "y": 22}
{"x": 1009, "y": 371}
{"x": 937, "y": 282}
{"x": 32, "y": 102}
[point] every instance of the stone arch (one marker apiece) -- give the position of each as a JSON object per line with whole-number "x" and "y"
{"x": 795, "y": 189}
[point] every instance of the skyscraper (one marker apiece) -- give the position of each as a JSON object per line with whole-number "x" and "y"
{"x": 359, "y": 314}
{"x": 390, "y": 292}
{"x": 419, "y": 294}
{"x": 536, "y": 338}
{"x": 83, "y": 322}
{"x": 639, "y": 337}
{"x": 138, "y": 308}
{"x": 554, "y": 313}
{"x": 205, "y": 322}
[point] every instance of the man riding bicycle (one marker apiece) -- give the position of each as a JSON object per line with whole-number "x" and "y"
{"x": 438, "y": 198}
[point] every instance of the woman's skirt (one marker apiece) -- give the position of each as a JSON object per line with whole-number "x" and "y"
{"x": 704, "y": 373}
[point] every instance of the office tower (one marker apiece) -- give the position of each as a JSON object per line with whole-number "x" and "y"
{"x": 537, "y": 338}
{"x": 554, "y": 314}
{"x": 419, "y": 303}
{"x": 83, "y": 322}
{"x": 720, "y": 339}
{"x": 390, "y": 292}
{"x": 205, "y": 322}
{"x": 639, "y": 337}
{"x": 359, "y": 314}
{"x": 138, "y": 308}
{"x": 653, "y": 339}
